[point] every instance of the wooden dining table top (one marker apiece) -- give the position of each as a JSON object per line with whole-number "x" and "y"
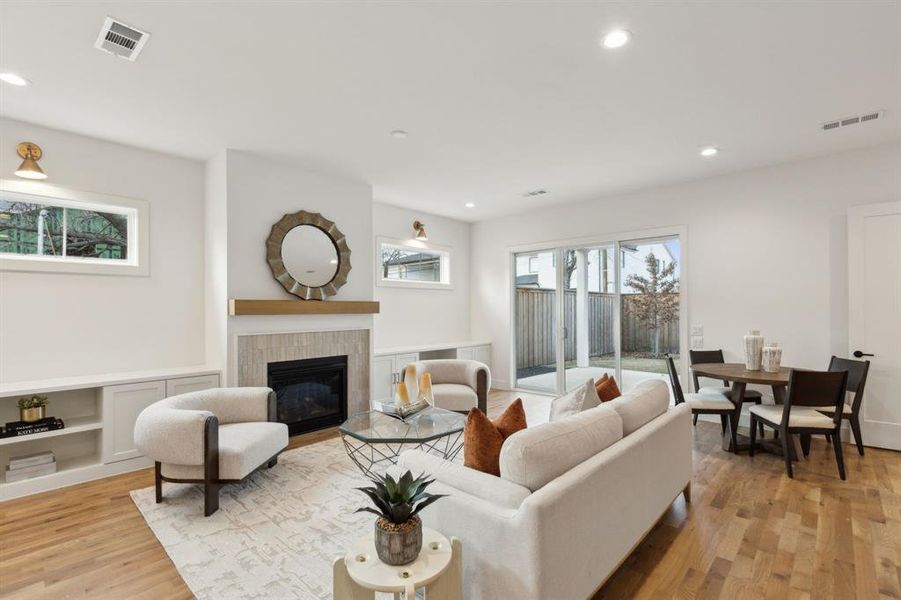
{"x": 738, "y": 372}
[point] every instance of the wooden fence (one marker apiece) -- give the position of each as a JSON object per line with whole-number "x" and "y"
{"x": 536, "y": 325}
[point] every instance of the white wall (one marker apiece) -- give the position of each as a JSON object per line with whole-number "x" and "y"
{"x": 415, "y": 316}
{"x": 765, "y": 249}
{"x": 258, "y": 192}
{"x": 55, "y": 325}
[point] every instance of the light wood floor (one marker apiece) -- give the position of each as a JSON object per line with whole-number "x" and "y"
{"x": 749, "y": 532}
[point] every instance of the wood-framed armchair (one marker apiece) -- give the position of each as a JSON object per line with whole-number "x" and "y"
{"x": 211, "y": 437}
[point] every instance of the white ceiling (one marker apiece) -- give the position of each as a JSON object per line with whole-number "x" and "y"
{"x": 499, "y": 98}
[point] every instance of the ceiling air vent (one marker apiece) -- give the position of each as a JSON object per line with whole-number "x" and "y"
{"x": 534, "y": 193}
{"x": 851, "y": 120}
{"x": 120, "y": 39}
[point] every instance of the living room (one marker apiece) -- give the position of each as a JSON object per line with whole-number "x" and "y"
{"x": 620, "y": 280}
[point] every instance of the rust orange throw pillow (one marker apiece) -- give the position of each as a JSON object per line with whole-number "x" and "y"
{"x": 483, "y": 438}
{"x": 607, "y": 389}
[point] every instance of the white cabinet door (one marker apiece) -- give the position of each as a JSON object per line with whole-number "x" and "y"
{"x": 383, "y": 373}
{"x": 465, "y": 353}
{"x": 482, "y": 354}
{"x": 183, "y": 385}
{"x": 121, "y": 406}
{"x": 402, "y": 360}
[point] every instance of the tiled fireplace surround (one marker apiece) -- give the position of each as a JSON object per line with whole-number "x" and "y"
{"x": 256, "y": 351}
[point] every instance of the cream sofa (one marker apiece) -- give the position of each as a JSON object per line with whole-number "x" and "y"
{"x": 575, "y": 496}
{"x": 211, "y": 437}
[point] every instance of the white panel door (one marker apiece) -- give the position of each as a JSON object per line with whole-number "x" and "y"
{"x": 121, "y": 406}
{"x": 874, "y": 282}
{"x": 183, "y": 385}
{"x": 383, "y": 374}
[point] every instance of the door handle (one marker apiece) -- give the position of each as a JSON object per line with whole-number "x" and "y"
{"x": 859, "y": 354}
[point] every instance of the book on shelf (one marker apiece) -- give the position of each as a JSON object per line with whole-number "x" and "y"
{"x": 29, "y": 472}
{"x": 30, "y": 460}
{"x": 17, "y": 428}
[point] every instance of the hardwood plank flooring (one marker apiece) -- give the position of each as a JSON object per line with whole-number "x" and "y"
{"x": 749, "y": 532}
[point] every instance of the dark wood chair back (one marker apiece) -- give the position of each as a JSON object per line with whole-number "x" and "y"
{"x": 700, "y": 357}
{"x": 674, "y": 379}
{"x": 857, "y": 377}
{"x": 816, "y": 388}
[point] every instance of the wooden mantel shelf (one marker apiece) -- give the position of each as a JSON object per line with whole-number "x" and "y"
{"x": 238, "y": 307}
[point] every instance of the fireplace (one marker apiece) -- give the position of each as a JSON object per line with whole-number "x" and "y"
{"x": 311, "y": 393}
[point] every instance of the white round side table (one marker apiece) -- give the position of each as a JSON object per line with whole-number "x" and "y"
{"x": 438, "y": 568}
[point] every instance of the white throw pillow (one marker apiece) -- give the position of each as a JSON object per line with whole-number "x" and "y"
{"x": 582, "y": 398}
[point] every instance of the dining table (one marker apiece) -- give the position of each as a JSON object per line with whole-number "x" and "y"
{"x": 739, "y": 376}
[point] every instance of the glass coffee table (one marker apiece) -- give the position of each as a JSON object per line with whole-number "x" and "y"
{"x": 374, "y": 440}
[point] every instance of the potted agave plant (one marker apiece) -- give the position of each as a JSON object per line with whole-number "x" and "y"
{"x": 32, "y": 409}
{"x": 398, "y": 530}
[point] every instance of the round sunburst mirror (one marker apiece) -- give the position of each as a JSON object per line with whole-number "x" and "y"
{"x": 308, "y": 255}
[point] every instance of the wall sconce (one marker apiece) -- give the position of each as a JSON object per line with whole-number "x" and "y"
{"x": 419, "y": 227}
{"x": 29, "y": 169}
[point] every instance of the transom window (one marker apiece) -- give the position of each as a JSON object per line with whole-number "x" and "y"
{"x": 413, "y": 266}
{"x": 70, "y": 234}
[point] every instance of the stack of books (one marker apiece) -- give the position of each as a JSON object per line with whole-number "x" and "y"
{"x": 31, "y": 465}
{"x": 17, "y": 428}
{"x": 401, "y": 412}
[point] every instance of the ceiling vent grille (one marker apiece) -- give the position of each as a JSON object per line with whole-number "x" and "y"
{"x": 534, "y": 193}
{"x": 855, "y": 120}
{"x": 120, "y": 39}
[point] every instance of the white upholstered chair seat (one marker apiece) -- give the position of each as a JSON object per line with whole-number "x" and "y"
{"x": 708, "y": 401}
{"x": 243, "y": 447}
{"x": 454, "y": 396}
{"x": 724, "y": 390}
{"x": 801, "y": 416}
{"x": 846, "y": 409}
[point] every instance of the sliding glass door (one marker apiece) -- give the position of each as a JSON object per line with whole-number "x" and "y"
{"x": 584, "y": 311}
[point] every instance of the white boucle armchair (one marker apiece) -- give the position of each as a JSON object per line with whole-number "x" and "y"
{"x": 456, "y": 384}
{"x": 211, "y": 437}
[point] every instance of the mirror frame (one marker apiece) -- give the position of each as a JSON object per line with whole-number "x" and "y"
{"x": 277, "y": 265}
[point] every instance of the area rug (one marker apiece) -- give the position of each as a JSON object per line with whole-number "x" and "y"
{"x": 275, "y": 535}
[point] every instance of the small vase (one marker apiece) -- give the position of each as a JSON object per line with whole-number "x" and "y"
{"x": 398, "y": 544}
{"x": 30, "y": 415}
{"x": 753, "y": 350}
{"x": 771, "y": 357}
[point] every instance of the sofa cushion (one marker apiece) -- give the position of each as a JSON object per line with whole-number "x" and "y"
{"x": 608, "y": 390}
{"x": 242, "y": 448}
{"x": 533, "y": 457}
{"x": 647, "y": 401}
{"x": 582, "y": 398}
{"x": 454, "y": 396}
{"x": 483, "y": 438}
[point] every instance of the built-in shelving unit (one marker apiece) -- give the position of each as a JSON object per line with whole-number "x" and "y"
{"x": 99, "y": 413}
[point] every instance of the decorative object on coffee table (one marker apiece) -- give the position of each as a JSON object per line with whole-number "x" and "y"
{"x": 374, "y": 440}
{"x": 753, "y": 349}
{"x": 32, "y": 409}
{"x": 398, "y": 531}
{"x": 308, "y": 255}
{"x": 439, "y": 569}
{"x": 771, "y": 357}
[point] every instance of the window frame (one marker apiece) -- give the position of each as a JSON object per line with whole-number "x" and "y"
{"x": 138, "y": 212}
{"x": 446, "y": 258}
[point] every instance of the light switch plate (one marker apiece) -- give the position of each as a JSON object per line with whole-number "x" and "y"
{"x": 697, "y": 342}
{"x": 697, "y": 330}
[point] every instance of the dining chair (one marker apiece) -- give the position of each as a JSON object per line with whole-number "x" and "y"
{"x": 857, "y": 379}
{"x": 807, "y": 391}
{"x": 706, "y": 403}
{"x": 698, "y": 357}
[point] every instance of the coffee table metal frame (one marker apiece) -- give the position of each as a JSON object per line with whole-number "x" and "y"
{"x": 374, "y": 454}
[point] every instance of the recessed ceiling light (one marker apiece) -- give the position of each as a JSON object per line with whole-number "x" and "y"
{"x": 399, "y": 134}
{"x": 709, "y": 151}
{"x": 617, "y": 38}
{"x": 13, "y": 79}
{"x": 470, "y": 205}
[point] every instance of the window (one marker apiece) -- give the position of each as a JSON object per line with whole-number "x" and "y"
{"x": 70, "y": 232}
{"x": 409, "y": 265}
